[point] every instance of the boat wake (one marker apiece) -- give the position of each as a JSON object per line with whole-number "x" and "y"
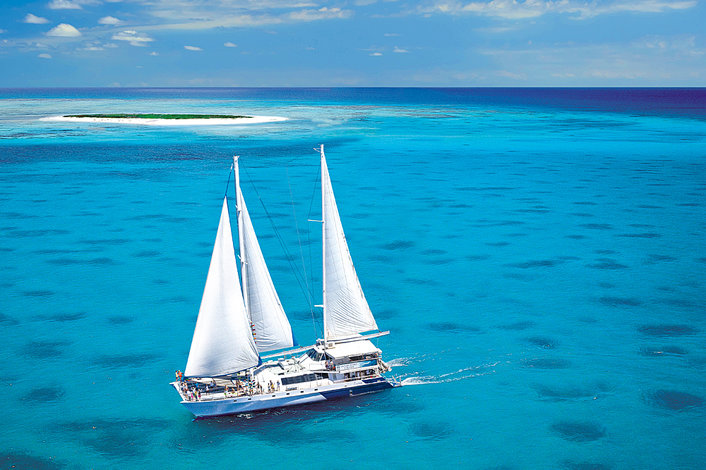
{"x": 460, "y": 374}
{"x": 399, "y": 362}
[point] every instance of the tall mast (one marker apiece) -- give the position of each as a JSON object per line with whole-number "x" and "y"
{"x": 241, "y": 242}
{"x": 323, "y": 237}
{"x": 346, "y": 311}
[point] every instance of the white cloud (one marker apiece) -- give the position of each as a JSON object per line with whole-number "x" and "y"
{"x": 192, "y": 48}
{"x": 612, "y": 74}
{"x": 323, "y": 13}
{"x": 133, "y": 38}
{"x": 95, "y": 46}
{"x": 376, "y": 54}
{"x": 64, "y": 5}
{"x": 399, "y": 50}
{"x": 153, "y": 53}
{"x": 204, "y": 21}
{"x": 629, "y": 6}
{"x": 511, "y": 75}
{"x": 497, "y": 29}
{"x": 44, "y": 55}
{"x": 578, "y": 9}
{"x": 64, "y": 30}
{"x": 657, "y": 60}
{"x": 564, "y": 75}
{"x": 110, "y": 20}
{"x": 684, "y": 46}
{"x": 32, "y": 19}
{"x": 230, "y": 44}
{"x": 203, "y": 15}
{"x": 509, "y": 9}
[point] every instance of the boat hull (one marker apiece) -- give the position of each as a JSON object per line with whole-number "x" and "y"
{"x": 244, "y": 404}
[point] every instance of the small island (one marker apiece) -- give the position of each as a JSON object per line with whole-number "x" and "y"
{"x": 157, "y": 119}
{"x": 158, "y": 116}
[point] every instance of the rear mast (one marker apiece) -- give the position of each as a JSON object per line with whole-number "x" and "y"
{"x": 323, "y": 240}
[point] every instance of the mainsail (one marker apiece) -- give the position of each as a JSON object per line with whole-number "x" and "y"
{"x": 271, "y": 327}
{"x": 222, "y": 342}
{"x": 346, "y": 311}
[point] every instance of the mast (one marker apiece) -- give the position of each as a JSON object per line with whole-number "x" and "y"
{"x": 346, "y": 311}
{"x": 268, "y": 321}
{"x": 323, "y": 237}
{"x": 241, "y": 243}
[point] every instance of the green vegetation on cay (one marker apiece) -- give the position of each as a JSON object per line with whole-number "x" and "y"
{"x": 159, "y": 116}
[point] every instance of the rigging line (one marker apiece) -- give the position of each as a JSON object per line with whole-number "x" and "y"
{"x": 228, "y": 182}
{"x": 309, "y": 217}
{"x": 278, "y": 235}
{"x": 301, "y": 251}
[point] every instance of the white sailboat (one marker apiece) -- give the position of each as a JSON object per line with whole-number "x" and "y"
{"x": 242, "y": 318}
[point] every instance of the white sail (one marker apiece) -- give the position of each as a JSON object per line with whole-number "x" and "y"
{"x": 222, "y": 343}
{"x": 271, "y": 327}
{"x": 346, "y": 311}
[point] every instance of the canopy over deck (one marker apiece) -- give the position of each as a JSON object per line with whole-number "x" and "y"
{"x": 353, "y": 348}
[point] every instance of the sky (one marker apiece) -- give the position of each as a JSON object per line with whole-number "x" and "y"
{"x": 427, "y": 43}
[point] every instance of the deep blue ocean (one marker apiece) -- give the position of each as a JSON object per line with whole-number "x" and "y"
{"x": 538, "y": 255}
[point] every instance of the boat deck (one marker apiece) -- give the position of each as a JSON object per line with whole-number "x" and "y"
{"x": 216, "y": 403}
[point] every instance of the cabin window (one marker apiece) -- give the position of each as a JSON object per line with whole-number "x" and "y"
{"x": 300, "y": 378}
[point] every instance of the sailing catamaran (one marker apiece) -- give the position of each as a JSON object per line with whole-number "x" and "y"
{"x": 239, "y": 322}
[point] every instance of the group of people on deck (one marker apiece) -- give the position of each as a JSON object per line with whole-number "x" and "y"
{"x": 191, "y": 390}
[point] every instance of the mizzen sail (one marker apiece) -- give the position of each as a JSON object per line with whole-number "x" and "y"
{"x": 270, "y": 325}
{"x": 346, "y": 311}
{"x": 222, "y": 342}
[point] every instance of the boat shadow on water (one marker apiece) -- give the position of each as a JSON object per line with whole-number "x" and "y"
{"x": 323, "y": 410}
{"x": 291, "y": 426}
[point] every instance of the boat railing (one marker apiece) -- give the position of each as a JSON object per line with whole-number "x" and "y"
{"x": 355, "y": 366}
{"x": 194, "y": 391}
{"x": 189, "y": 392}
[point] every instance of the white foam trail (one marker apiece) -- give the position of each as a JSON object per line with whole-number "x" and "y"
{"x": 399, "y": 362}
{"x": 455, "y": 376}
{"x": 405, "y": 361}
{"x": 419, "y": 381}
{"x": 426, "y": 380}
{"x": 466, "y": 369}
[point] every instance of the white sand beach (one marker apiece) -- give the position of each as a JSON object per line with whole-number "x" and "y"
{"x": 170, "y": 122}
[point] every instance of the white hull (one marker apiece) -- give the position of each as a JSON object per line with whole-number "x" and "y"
{"x": 220, "y": 405}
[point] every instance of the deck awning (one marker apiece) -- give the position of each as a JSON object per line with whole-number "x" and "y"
{"x": 353, "y": 348}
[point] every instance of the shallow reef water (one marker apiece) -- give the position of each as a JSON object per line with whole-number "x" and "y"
{"x": 537, "y": 255}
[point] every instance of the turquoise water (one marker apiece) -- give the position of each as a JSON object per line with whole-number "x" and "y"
{"x": 538, "y": 256}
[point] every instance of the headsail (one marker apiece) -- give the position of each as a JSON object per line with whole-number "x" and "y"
{"x": 272, "y": 329}
{"x": 346, "y": 311}
{"x": 222, "y": 342}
